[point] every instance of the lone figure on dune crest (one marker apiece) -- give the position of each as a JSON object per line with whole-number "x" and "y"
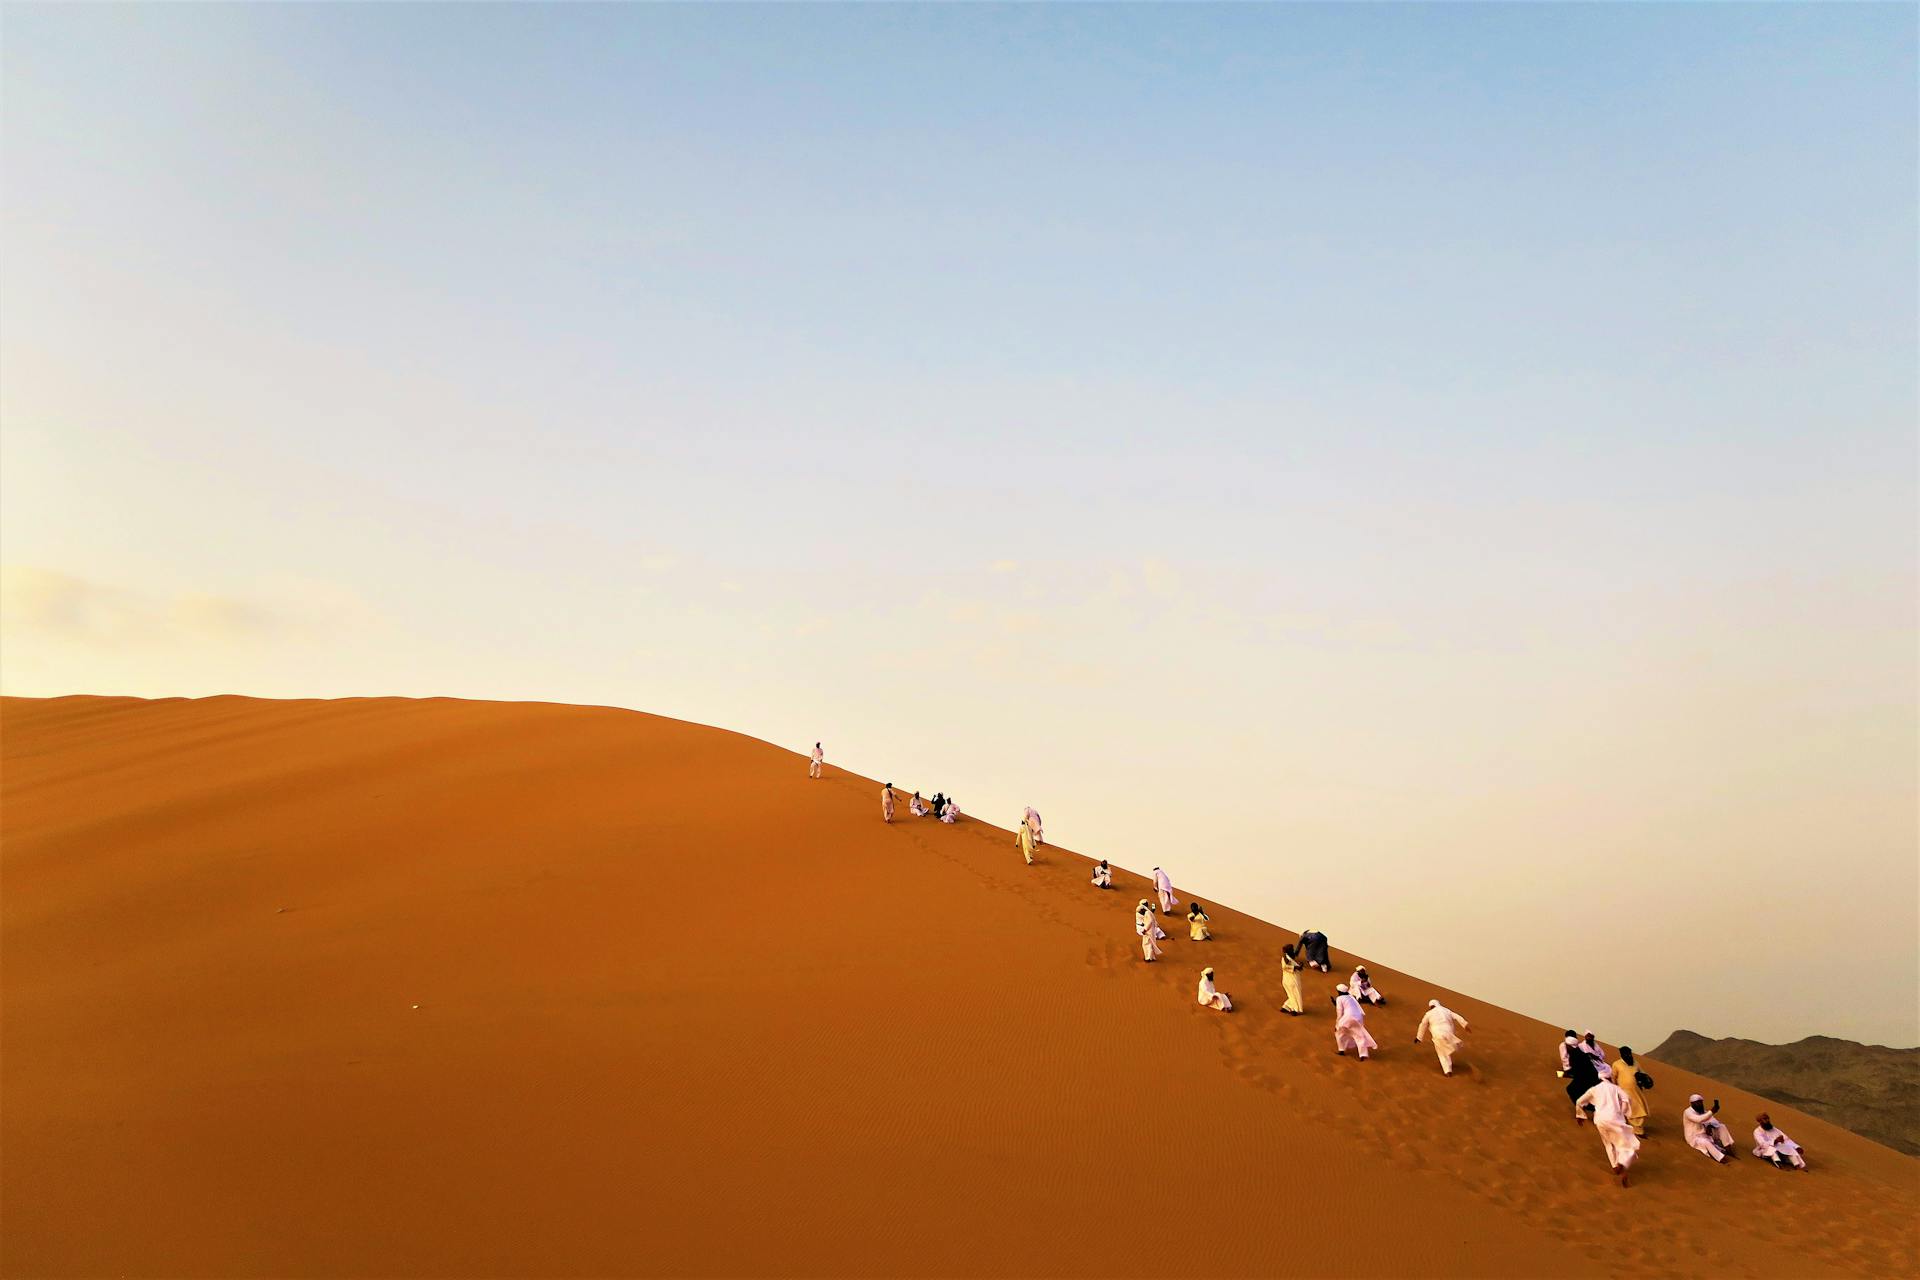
{"x": 1350, "y": 1025}
{"x": 819, "y": 758}
{"x": 1212, "y": 997}
{"x": 1163, "y": 886}
{"x": 1149, "y": 930}
{"x": 1445, "y": 1026}
{"x": 1607, "y": 1103}
{"x": 886, "y": 802}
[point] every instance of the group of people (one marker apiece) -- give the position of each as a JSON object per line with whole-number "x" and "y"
{"x": 1612, "y": 1094}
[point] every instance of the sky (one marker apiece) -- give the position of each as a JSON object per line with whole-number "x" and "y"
{"x": 1444, "y": 475}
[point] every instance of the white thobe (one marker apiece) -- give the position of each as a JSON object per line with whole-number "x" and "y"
{"x": 1768, "y": 1143}
{"x": 1033, "y": 825}
{"x": 1350, "y": 1026}
{"x": 1705, "y": 1133}
{"x": 1163, "y": 885}
{"x": 1144, "y": 926}
{"x": 1363, "y": 989}
{"x": 1214, "y": 998}
{"x": 1445, "y": 1026}
{"x": 1612, "y": 1117}
{"x": 1103, "y": 877}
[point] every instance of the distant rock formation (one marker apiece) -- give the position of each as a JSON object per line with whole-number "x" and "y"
{"x": 1868, "y": 1088}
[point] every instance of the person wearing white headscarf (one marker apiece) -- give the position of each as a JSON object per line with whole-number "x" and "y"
{"x": 1703, "y": 1129}
{"x": 1445, "y": 1026}
{"x": 813, "y": 765}
{"x": 1609, "y": 1106}
{"x": 1363, "y": 989}
{"x": 1350, "y": 1025}
{"x": 1023, "y": 836}
{"x": 1163, "y": 886}
{"x": 1103, "y": 875}
{"x": 1149, "y": 930}
{"x": 1211, "y": 996}
{"x": 1591, "y": 1047}
{"x": 1033, "y": 825}
{"x": 1775, "y": 1147}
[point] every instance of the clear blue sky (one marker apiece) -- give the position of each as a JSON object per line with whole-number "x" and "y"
{"x": 1476, "y": 441}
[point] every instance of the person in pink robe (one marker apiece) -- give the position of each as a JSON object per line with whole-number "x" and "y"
{"x": 818, "y": 758}
{"x": 1350, "y": 1025}
{"x": 1163, "y": 885}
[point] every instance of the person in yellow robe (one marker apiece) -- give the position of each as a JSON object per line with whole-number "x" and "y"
{"x": 1197, "y": 924}
{"x": 1290, "y": 967}
{"x": 1023, "y": 836}
{"x": 1624, "y": 1071}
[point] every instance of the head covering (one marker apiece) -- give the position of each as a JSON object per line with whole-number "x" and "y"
{"x": 1585, "y": 1034}
{"x": 1694, "y": 1097}
{"x": 1359, "y": 968}
{"x": 1342, "y": 988}
{"x": 1207, "y": 972}
{"x": 1433, "y": 1004}
{"x": 1572, "y": 1038}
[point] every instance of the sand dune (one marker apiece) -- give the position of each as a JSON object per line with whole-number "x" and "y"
{"x": 442, "y": 988}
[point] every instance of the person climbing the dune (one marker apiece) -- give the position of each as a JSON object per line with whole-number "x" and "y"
{"x": 1634, "y": 1083}
{"x": 819, "y": 758}
{"x": 1350, "y": 1025}
{"x": 1149, "y": 930}
{"x": 1033, "y": 825}
{"x": 1313, "y": 949}
{"x": 1023, "y": 836}
{"x": 1445, "y": 1026}
{"x": 1581, "y": 1075}
{"x": 1607, "y": 1104}
{"x": 1163, "y": 886}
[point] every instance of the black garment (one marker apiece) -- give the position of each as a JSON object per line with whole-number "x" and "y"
{"x": 1582, "y": 1074}
{"x": 1313, "y": 949}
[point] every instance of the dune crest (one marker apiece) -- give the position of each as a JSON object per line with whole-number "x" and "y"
{"x": 449, "y": 988}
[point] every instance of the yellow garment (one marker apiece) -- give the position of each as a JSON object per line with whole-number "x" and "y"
{"x": 1026, "y": 842}
{"x": 1290, "y": 979}
{"x": 1197, "y": 927}
{"x": 1636, "y": 1101}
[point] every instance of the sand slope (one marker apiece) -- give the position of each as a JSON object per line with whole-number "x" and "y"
{"x": 684, "y": 1012}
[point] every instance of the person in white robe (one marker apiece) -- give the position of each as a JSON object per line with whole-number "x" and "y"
{"x": 950, "y": 812}
{"x": 1607, "y": 1103}
{"x": 1704, "y": 1132}
{"x": 918, "y": 807}
{"x": 1775, "y": 1147}
{"x": 1566, "y": 1047}
{"x": 819, "y": 758}
{"x": 1163, "y": 885}
{"x": 1033, "y": 825}
{"x": 1023, "y": 836}
{"x": 1212, "y": 997}
{"x": 1149, "y": 930}
{"x": 886, "y": 802}
{"x": 1362, "y": 989}
{"x": 1350, "y": 1025}
{"x": 1445, "y": 1026}
{"x": 1103, "y": 875}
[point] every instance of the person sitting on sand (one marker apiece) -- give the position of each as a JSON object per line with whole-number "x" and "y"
{"x": 1581, "y": 1076}
{"x": 1608, "y": 1106}
{"x": 1445, "y": 1026}
{"x": 1363, "y": 989}
{"x": 1103, "y": 875}
{"x": 819, "y": 758}
{"x": 1033, "y": 825}
{"x": 935, "y": 805}
{"x": 950, "y": 812}
{"x": 918, "y": 807}
{"x": 1313, "y": 948}
{"x": 1023, "y": 836}
{"x": 1197, "y": 921}
{"x": 886, "y": 802}
{"x": 1633, "y": 1082}
{"x": 1774, "y": 1145}
{"x": 1210, "y": 996}
{"x": 1350, "y": 1025}
{"x": 1290, "y": 967}
{"x": 1163, "y": 888}
{"x": 1704, "y": 1132}
{"x": 1149, "y": 930}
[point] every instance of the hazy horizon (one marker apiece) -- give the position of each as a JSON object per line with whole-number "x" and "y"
{"x": 1444, "y": 475}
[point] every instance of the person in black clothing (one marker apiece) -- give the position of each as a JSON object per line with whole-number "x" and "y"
{"x": 1582, "y": 1075}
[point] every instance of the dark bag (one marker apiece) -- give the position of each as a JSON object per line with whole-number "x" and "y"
{"x": 1643, "y": 1080}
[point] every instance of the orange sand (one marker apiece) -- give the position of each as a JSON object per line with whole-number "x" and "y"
{"x": 682, "y": 1011}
